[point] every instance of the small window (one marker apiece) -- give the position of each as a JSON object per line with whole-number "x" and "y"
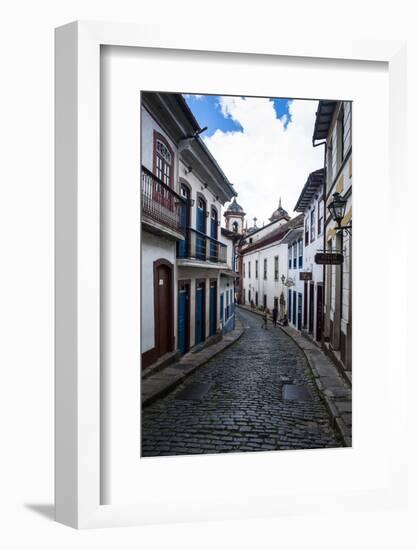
{"x": 249, "y": 270}
{"x": 244, "y": 271}
{"x": 256, "y": 269}
{"x": 312, "y": 225}
{"x": 320, "y": 222}
{"x": 289, "y": 256}
{"x": 306, "y": 233}
{"x": 256, "y": 298}
{"x": 300, "y": 254}
{"x": 265, "y": 268}
{"x": 330, "y": 160}
{"x": 276, "y": 268}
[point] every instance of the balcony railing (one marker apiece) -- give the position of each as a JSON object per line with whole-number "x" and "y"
{"x": 161, "y": 203}
{"x": 198, "y": 246}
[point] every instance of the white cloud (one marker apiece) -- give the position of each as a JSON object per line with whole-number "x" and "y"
{"x": 266, "y": 161}
{"x": 194, "y": 96}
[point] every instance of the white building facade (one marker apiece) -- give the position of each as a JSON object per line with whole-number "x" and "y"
{"x": 295, "y": 287}
{"x": 183, "y": 259}
{"x": 263, "y": 263}
{"x": 311, "y": 204}
{"x": 334, "y": 128}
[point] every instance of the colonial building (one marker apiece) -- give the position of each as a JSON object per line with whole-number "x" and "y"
{"x": 235, "y": 221}
{"x": 185, "y": 264}
{"x": 263, "y": 255}
{"x": 294, "y": 243}
{"x": 311, "y": 204}
{"x": 333, "y": 128}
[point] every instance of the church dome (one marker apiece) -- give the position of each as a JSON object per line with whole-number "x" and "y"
{"x": 279, "y": 214}
{"x": 234, "y": 208}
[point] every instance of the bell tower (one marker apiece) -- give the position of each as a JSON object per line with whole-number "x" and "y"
{"x": 235, "y": 217}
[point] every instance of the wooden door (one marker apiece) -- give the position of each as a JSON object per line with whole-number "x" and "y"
{"x": 200, "y": 313}
{"x": 163, "y": 308}
{"x": 311, "y": 309}
{"x": 300, "y": 310}
{"x": 183, "y": 317}
{"x": 185, "y": 215}
{"x": 213, "y": 307}
{"x": 201, "y": 229}
{"x": 319, "y": 319}
{"x": 213, "y": 235}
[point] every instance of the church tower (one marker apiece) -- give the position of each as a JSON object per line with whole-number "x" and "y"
{"x": 280, "y": 215}
{"x": 235, "y": 216}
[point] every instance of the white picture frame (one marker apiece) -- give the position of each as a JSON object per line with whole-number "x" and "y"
{"x": 77, "y": 242}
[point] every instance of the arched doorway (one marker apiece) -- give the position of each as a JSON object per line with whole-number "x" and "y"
{"x": 164, "y": 306}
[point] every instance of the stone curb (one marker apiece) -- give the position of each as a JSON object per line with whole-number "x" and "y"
{"x": 170, "y": 384}
{"x": 337, "y": 420}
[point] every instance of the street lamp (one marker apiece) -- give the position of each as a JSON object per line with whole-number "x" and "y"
{"x": 337, "y": 209}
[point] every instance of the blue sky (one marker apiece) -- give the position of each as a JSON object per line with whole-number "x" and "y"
{"x": 263, "y": 145}
{"x": 206, "y": 109}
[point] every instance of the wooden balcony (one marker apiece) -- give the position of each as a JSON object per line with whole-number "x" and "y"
{"x": 161, "y": 206}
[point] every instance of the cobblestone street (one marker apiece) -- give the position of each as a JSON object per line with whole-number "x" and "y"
{"x": 257, "y": 395}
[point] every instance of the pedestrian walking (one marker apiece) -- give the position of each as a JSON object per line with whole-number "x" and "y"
{"x": 265, "y": 321}
{"x": 275, "y": 316}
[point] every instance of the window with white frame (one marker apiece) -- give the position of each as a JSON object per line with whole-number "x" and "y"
{"x": 320, "y": 220}
{"x": 163, "y": 161}
{"x": 312, "y": 225}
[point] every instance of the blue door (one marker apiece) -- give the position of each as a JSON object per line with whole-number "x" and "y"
{"x": 184, "y": 218}
{"x": 294, "y": 309}
{"x": 221, "y": 307}
{"x": 213, "y": 308}
{"x": 182, "y": 313}
{"x": 213, "y": 235}
{"x": 300, "y": 310}
{"x": 200, "y": 313}
{"x": 201, "y": 228}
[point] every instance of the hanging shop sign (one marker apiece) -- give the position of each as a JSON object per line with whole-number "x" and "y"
{"x": 306, "y": 276}
{"x": 328, "y": 258}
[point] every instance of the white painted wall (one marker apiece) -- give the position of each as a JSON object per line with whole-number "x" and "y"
{"x": 197, "y": 186}
{"x": 317, "y": 206}
{"x": 148, "y": 126}
{"x": 154, "y": 248}
{"x": 294, "y": 272}
{"x": 343, "y": 185}
{"x": 269, "y": 286}
{"x": 231, "y": 219}
{"x": 263, "y": 231}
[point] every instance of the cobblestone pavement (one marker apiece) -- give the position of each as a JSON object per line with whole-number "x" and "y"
{"x": 247, "y": 405}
